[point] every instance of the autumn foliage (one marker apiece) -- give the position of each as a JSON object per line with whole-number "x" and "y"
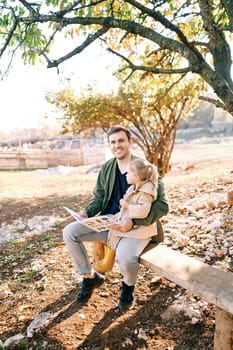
{"x": 152, "y": 109}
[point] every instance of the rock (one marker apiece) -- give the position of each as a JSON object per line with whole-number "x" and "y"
{"x": 219, "y": 253}
{"x": 39, "y": 321}
{"x": 13, "y": 341}
{"x": 104, "y": 294}
{"x": 215, "y": 200}
{"x": 36, "y": 266}
{"x": 156, "y": 279}
{"x": 172, "y": 312}
{"x": 34, "y": 226}
{"x": 142, "y": 334}
{"x": 127, "y": 342}
{"x": 215, "y": 224}
{"x": 194, "y": 320}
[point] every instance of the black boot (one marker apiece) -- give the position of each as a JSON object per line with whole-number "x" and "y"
{"x": 88, "y": 285}
{"x": 126, "y": 297}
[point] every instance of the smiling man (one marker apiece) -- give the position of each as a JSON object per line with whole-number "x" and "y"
{"x": 110, "y": 187}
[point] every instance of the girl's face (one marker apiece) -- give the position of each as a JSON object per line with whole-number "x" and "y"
{"x": 131, "y": 177}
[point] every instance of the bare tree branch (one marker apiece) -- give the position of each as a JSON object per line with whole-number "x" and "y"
{"x": 77, "y": 50}
{"x": 154, "y": 70}
{"x": 217, "y": 103}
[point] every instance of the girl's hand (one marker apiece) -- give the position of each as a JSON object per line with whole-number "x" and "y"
{"x": 124, "y": 226}
{"x": 124, "y": 204}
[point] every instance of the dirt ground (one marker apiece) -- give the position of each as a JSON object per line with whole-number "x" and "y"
{"x": 26, "y": 293}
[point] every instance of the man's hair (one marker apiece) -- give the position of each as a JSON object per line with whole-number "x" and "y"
{"x": 118, "y": 128}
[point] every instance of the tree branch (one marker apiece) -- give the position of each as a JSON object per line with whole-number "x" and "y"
{"x": 154, "y": 70}
{"x": 10, "y": 35}
{"x": 217, "y": 103}
{"x": 218, "y": 44}
{"x": 68, "y": 8}
{"x": 30, "y": 7}
{"x": 227, "y": 5}
{"x": 72, "y": 7}
{"x": 160, "y": 18}
{"x": 77, "y": 50}
{"x": 191, "y": 54}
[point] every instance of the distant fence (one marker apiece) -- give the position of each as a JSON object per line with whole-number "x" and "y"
{"x": 39, "y": 158}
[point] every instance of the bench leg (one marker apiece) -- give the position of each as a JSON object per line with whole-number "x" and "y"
{"x": 223, "y": 337}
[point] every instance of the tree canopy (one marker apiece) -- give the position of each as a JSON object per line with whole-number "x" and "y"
{"x": 160, "y": 37}
{"x": 152, "y": 107}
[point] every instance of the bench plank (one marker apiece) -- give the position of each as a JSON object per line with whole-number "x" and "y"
{"x": 212, "y": 284}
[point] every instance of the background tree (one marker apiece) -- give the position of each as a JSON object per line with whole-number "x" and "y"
{"x": 152, "y": 109}
{"x": 201, "y": 116}
{"x": 162, "y": 37}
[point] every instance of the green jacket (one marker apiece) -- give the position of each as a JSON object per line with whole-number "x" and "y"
{"x": 102, "y": 194}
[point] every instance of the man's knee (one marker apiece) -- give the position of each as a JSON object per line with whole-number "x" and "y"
{"x": 68, "y": 232}
{"x": 127, "y": 262}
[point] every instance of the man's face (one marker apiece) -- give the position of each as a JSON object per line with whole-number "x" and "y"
{"x": 119, "y": 144}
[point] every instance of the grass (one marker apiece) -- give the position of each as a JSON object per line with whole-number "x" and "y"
{"x": 19, "y": 250}
{"x": 31, "y": 184}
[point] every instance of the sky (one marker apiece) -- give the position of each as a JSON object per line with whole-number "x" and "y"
{"x": 22, "y": 92}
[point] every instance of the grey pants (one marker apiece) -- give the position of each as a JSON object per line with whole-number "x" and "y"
{"x": 127, "y": 252}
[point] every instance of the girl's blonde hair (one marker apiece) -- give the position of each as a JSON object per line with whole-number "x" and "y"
{"x": 145, "y": 170}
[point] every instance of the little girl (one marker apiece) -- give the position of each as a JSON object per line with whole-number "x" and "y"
{"x": 136, "y": 203}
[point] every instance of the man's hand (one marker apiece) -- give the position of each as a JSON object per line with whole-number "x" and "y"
{"x": 83, "y": 214}
{"x": 80, "y": 215}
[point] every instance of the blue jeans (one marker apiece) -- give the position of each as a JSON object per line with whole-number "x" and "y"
{"x": 127, "y": 252}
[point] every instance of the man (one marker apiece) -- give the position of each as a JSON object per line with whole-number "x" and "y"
{"x": 110, "y": 187}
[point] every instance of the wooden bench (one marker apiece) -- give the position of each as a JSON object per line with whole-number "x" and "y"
{"x": 212, "y": 284}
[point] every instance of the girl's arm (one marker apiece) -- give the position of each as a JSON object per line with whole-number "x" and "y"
{"x": 159, "y": 208}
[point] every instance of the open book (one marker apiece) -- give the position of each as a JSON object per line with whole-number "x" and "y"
{"x": 96, "y": 223}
